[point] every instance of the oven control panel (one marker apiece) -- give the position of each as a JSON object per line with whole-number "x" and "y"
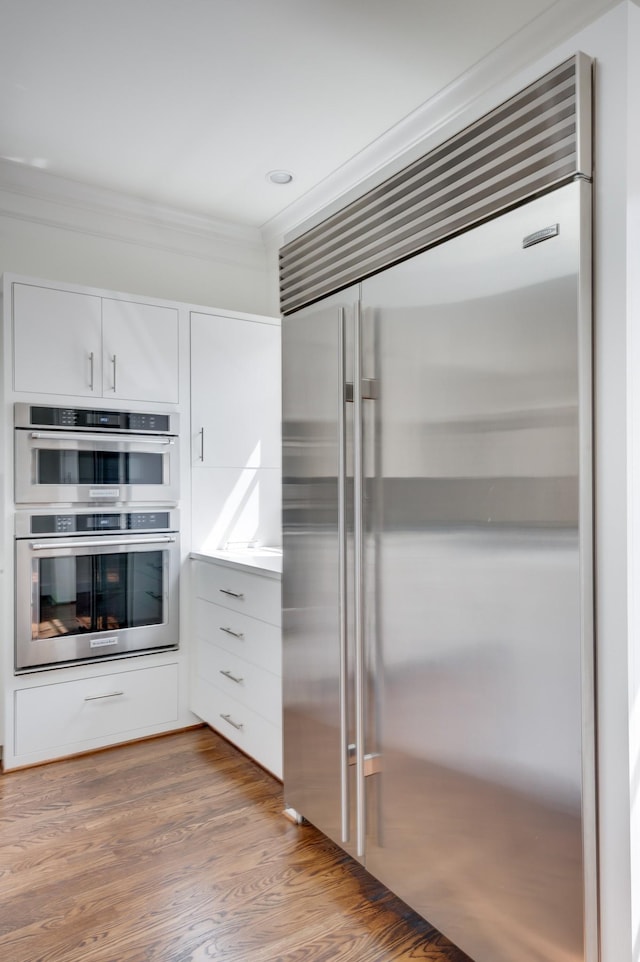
{"x": 105, "y": 522}
{"x": 93, "y": 419}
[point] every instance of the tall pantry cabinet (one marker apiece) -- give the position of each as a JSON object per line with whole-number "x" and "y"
{"x": 235, "y": 430}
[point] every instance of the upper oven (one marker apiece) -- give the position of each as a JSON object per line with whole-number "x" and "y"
{"x": 90, "y": 456}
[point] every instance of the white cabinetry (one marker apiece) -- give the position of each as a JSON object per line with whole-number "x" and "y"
{"x": 235, "y": 391}
{"x": 236, "y": 430}
{"x": 139, "y": 351}
{"x": 57, "y": 341}
{"x": 237, "y": 652}
{"x": 53, "y": 720}
{"x": 85, "y": 345}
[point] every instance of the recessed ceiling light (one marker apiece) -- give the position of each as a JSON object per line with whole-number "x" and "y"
{"x": 279, "y": 176}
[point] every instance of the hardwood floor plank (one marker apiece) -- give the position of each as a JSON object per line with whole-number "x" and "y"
{"x": 176, "y": 850}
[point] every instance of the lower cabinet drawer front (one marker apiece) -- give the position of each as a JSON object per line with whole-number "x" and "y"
{"x": 249, "y": 638}
{"x": 251, "y": 594}
{"x": 247, "y": 684}
{"x": 70, "y": 713}
{"x": 242, "y": 726}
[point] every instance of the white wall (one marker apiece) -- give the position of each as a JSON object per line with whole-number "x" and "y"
{"x": 57, "y": 230}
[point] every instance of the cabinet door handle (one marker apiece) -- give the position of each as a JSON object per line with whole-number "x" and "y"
{"x": 228, "y": 674}
{"x": 202, "y": 444}
{"x": 238, "y": 725}
{"x": 109, "y": 694}
{"x": 91, "y": 370}
{"x": 114, "y": 361}
{"x": 234, "y": 594}
{"x": 236, "y": 634}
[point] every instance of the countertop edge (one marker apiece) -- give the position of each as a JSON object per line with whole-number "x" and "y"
{"x": 267, "y": 566}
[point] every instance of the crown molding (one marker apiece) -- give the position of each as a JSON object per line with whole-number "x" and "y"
{"x": 38, "y": 196}
{"x": 477, "y": 90}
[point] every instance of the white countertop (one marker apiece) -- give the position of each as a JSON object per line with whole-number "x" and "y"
{"x": 259, "y": 560}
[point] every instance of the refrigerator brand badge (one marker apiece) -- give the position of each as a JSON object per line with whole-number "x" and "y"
{"x": 541, "y": 235}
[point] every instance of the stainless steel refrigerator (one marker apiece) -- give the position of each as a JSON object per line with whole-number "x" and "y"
{"x": 437, "y": 587}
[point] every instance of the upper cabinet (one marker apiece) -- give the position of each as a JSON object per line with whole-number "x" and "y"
{"x": 139, "y": 351}
{"x": 57, "y": 341}
{"x": 237, "y": 424}
{"x": 84, "y": 345}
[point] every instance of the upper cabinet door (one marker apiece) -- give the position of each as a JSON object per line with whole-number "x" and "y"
{"x": 57, "y": 341}
{"x": 235, "y": 392}
{"x": 140, "y": 352}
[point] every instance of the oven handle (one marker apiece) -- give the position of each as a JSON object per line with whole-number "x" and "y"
{"x": 113, "y": 438}
{"x": 102, "y": 543}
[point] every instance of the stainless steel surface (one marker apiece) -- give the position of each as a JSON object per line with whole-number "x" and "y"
{"x": 114, "y": 362}
{"x": 23, "y": 419}
{"x": 342, "y": 579}
{"x": 100, "y": 438}
{"x": 70, "y": 641}
{"x": 464, "y": 498}
{"x": 539, "y": 236}
{"x": 237, "y": 725}
{"x": 587, "y": 550}
{"x": 129, "y": 521}
{"x": 481, "y": 567}
{"x": 231, "y": 676}
{"x": 201, "y": 433}
{"x": 108, "y": 694}
{"x": 100, "y": 542}
{"x": 233, "y": 594}
{"x": 538, "y": 139}
{"x": 314, "y": 425}
{"x": 359, "y": 593}
{"x": 235, "y": 634}
{"x": 32, "y": 446}
{"x": 91, "y": 362}
{"x": 584, "y": 115}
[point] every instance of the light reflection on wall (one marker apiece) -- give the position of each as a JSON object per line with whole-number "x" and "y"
{"x": 238, "y": 520}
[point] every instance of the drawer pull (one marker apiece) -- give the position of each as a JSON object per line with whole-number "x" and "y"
{"x": 236, "y": 634}
{"x": 231, "y": 676}
{"x": 109, "y": 694}
{"x": 234, "y": 594}
{"x": 229, "y": 719}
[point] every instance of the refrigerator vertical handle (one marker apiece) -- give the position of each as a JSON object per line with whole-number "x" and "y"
{"x": 342, "y": 587}
{"x": 358, "y": 547}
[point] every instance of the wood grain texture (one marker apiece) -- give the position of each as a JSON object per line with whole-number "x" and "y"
{"x": 176, "y": 850}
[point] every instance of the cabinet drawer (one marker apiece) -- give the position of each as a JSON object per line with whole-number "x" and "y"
{"x": 240, "y": 591}
{"x": 248, "y": 638}
{"x": 240, "y": 725}
{"x": 259, "y": 690}
{"x": 70, "y": 713}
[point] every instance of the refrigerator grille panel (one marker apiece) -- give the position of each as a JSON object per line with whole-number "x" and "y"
{"x": 537, "y": 140}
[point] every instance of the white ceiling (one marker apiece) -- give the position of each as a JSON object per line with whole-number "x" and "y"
{"x": 189, "y": 103}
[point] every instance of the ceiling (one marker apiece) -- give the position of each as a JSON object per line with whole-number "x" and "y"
{"x": 190, "y": 103}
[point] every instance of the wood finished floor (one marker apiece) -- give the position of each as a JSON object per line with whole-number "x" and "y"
{"x": 176, "y": 850}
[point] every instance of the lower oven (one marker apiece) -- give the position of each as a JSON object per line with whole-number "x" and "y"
{"x": 95, "y": 585}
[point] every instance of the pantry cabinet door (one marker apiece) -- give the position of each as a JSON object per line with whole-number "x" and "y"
{"x": 235, "y": 392}
{"x": 57, "y": 341}
{"x": 140, "y": 352}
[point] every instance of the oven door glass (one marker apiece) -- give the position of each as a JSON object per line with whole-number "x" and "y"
{"x": 61, "y": 466}
{"x": 98, "y": 592}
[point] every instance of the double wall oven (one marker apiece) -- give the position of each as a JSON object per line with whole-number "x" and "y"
{"x": 97, "y": 534}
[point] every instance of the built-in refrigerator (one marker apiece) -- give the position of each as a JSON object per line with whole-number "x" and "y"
{"x": 437, "y": 586}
